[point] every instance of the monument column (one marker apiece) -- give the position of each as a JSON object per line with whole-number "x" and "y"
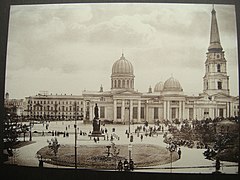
{"x": 114, "y": 110}
{"x": 139, "y": 111}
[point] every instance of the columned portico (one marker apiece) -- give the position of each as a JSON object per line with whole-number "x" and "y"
{"x": 180, "y": 110}
{"x": 131, "y": 110}
{"x": 165, "y": 110}
{"x": 123, "y": 111}
{"x": 91, "y": 112}
{"x": 139, "y": 111}
{"x": 114, "y": 110}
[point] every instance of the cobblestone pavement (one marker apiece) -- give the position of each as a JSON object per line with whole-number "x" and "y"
{"x": 192, "y": 160}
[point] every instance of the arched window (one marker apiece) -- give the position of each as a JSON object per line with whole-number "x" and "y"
{"x": 115, "y": 83}
{"x": 207, "y": 85}
{"x": 218, "y": 68}
{"x": 219, "y": 84}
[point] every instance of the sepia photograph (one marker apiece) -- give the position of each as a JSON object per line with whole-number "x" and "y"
{"x": 131, "y": 87}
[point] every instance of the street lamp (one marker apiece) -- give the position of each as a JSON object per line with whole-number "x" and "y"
{"x": 75, "y": 126}
{"x": 171, "y": 149}
{"x": 128, "y": 107}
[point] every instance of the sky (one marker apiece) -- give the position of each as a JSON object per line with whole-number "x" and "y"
{"x": 68, "y": 48}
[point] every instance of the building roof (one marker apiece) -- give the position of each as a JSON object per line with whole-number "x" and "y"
{"x": 172, "y": 84}
{"x": 158, "y": 87}
{"x": 122, "y": 67}
{"x": 214, "y": 34}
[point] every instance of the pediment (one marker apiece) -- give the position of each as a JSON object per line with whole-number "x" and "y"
{"x": 127, "y": 93}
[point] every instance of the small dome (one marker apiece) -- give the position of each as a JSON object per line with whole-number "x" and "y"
{"x": 122, "y": 66}
{"x": 158, "y": 87}
{"x": 172, "y": 85}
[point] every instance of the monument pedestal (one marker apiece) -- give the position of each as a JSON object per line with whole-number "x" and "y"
{"x": 96, "y": 129}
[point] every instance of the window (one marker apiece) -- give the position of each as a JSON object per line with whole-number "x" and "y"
{"x": 221, "y": 112}
{"x": 207, "y": 85}
{"x": 174, "y": 113}
{"x": 219, "y": 84}
{"x": 142, "y": 112}
{"x": 119, "y": 83}
{"x": 218, "y": 68}
{"x": 123, "y": 85}
{"x": 135, "y": 111}
{"x": 119, "y": 112}
{"x": 155, "y": 113}
{"x": 206, "y": 111}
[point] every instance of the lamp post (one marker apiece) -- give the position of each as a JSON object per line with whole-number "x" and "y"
{"x": 30, "y": 120}
{"x": 129, "y": 122}
{"x": 171, "y": 149}
{"x": 75, "y": 126}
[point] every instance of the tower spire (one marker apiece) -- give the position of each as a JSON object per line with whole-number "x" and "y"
{"x": 215, "y": 43}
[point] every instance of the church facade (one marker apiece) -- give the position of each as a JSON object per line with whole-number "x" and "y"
{"x": 166, "y": 101}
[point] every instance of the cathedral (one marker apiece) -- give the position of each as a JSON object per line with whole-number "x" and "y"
{"x": 166, "y": 101}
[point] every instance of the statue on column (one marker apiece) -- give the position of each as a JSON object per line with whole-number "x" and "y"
{"x": 96, "y": 121}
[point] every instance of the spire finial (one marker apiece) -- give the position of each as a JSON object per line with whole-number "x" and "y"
{"x": 122, "y": 57}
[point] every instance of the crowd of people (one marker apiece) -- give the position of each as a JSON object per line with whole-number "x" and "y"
{"x": 126, "y": 166}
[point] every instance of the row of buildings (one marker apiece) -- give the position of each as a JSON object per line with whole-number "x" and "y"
{"x": 123, "y": 104}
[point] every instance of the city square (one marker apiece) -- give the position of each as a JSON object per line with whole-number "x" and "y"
{"x": 138, "y": 118}
{"x": 192, "y": 160}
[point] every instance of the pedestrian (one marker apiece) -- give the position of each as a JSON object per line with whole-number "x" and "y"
{"x": 95, "y": 140}
{"x": 131, "y": 165}
{"x": 217, "y": 166}
{"x": 179, "y": 153}
{"x": 125, "y": 163}
{"x": 40, "y": 162}
{"x": 120, "y": 166}
{"x": 141, "y": 137}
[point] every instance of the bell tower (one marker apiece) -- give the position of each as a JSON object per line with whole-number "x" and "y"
{"x": 215, "y": 79}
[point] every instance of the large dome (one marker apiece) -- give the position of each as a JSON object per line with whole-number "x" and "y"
{"x": 172, "y": 85}
{"x": 122, "y": 66}
{"x": 158, "y": 87}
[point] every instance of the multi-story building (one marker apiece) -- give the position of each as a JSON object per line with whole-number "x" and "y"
{"x": 123, "y": 104}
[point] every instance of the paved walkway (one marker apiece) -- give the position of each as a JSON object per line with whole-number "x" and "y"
{"x": 190, "y": 157}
